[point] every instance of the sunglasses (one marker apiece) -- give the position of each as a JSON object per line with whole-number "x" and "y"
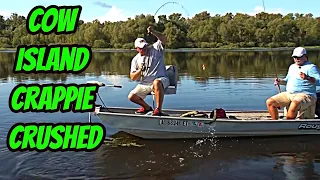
{"x": 297, "y": 57}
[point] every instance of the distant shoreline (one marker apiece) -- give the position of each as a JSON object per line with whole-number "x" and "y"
{"x": 254, "y": 49}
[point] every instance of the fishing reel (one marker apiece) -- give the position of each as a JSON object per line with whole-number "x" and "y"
{"x": 143, "y": 68}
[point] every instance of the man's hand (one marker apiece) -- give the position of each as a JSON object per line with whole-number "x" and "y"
{"x": 140, "y": 67}
{"x": 306, "y": 77}
{"x": 149, "y": 29}
{"x": 276, "y": 82}
{"x": 136, "y": 75}
{"x": 303, "y": 76}
{"x": 157, "y": 34}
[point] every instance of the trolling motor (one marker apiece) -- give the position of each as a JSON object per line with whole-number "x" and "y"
{"x": 101, "y": 84}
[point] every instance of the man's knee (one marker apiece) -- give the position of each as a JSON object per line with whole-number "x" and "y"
{"x": 130, "y": 96}
{"x": 295, "y": 105}
{"x": 133, "y": 97}
{"x": 157, "y": 84}
{"x": 272, "y": 102}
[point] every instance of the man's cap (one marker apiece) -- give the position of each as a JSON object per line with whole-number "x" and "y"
{"x": 140, "y": 43}
{"x": 299, "y": 51}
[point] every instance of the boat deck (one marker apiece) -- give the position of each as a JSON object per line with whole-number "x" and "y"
{"x": 232, "y": 115}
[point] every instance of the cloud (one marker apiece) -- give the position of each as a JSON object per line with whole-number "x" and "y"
{"x": 259, "y": 9}
{"x": 5, "y": 14}
{"x": 102, "y": 4}
{"x": 113, "y": 15}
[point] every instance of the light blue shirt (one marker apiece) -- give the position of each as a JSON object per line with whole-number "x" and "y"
{"x": 297, "y": 85}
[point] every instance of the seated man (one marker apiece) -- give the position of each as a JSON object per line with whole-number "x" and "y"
{"x": 149, "y": 65}
{"x": 301, "y": 81}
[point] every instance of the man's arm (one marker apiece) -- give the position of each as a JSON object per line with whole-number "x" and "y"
{"x": 135, "y": 70}
{"x": 158, "y": 35}
{"x": 135, "y": 75}
{"x": 314, "y": 76}
{"x": 283, "y": 82}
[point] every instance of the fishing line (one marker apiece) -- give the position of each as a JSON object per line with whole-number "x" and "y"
{"x": 264, "y": 9}
{"x": 275, "y": 66}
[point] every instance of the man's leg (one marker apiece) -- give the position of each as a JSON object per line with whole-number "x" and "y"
{"x": 293, "y": 109}
{"x": 301, "y": 102}
{"x": 138, "y": 94}
{"x": 158, "y": 93}
{"x": 274, "y": 102}
{"x": 272, "y": 106}
{"x": 158, "y": 87}
{"x": 138, "y": 100}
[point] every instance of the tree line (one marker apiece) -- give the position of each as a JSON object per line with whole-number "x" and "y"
{"x": 225, "y": 65}
{"x": 201, "y": 31}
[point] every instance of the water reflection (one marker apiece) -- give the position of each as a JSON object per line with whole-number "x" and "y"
{"x": 297, "y": 165}
{"x": 242, "y": 158}
{"x": 225, "y": 65}
{"x": 232, "y": 158}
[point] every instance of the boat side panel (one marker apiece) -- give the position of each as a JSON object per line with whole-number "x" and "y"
{"x": 227, "y": 127}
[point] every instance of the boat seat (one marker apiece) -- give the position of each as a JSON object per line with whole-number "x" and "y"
{"x": 173, "y": 76}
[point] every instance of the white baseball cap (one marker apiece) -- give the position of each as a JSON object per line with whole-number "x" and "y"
{"x": 299, "y": 51}
{"x": 140, "y": 43}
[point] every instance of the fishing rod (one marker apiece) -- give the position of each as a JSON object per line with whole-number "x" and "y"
{"x": 275, "y": 66}
{"x": 171, "y": 2}
{"x": 274, "y": 63}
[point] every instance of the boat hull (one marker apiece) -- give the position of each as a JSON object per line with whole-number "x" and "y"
{"x": 168, "y": 127}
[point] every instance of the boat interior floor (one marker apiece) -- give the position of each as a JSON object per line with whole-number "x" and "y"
{"x": 230, "y": 115}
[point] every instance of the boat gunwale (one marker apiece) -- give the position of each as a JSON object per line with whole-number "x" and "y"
{"x": 188, "y": 110}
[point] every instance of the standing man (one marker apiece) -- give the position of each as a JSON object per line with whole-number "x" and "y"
{"x": 301, "y": 81}
{"x": 149, "y": 67}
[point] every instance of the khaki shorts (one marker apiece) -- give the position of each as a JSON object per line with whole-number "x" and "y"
{"x": 285, "y": 98}
{"x": 142, "y": 90}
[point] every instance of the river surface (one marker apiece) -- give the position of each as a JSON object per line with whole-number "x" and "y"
{"x": 207, "y": 80}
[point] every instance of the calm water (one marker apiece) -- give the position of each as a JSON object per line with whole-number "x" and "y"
{"x": 230, "y": 80}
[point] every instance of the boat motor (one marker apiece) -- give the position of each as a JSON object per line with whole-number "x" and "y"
{"x": 317, "y": 111}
